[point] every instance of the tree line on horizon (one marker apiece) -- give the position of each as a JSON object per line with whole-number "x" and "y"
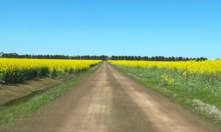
{"x": 157, "y": 58}
{"x": 101, "y": 57}
{"x": 78, "y": 57}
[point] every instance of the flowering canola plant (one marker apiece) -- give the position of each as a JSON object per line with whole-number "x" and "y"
{"x": 208, "y": 67}
{"x": 205, "y": 72}
{"x": 17, "y": 70}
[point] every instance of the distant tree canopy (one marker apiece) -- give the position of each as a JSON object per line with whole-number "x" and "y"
{"x": 156, "y": 58}
{"x": 84, "y": 57}
{"x": 101, "y": 57}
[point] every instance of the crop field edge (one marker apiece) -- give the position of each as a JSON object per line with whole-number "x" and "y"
{"x": 31, "y": 106}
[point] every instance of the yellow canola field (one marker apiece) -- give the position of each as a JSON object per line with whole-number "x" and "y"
{"x": 204, "y": 67}
{"x": 15, "y": 70}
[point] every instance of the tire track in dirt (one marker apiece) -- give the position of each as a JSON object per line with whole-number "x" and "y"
{"x": 125, "y": 114}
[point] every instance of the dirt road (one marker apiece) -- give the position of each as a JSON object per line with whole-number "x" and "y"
{"x": 110, "y": 101}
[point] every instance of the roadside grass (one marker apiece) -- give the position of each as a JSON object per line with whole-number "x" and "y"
{"x": 32, "y": 105}
{"x": 199, "y": 96}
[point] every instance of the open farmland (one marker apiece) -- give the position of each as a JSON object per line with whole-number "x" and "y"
{"x": 110, "y": 101}
{"x": 110, "y": 66}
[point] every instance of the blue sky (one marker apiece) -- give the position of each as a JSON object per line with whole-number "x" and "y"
{"x": 189, "y": 28}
